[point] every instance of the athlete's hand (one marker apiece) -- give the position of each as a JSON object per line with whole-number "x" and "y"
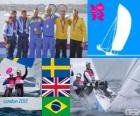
{"x": 83, "y": 45}
{"x": 5, "y": 41}
{"x": 7, "y": 45}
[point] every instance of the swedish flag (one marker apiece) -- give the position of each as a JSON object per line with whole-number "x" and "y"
{"x": 56, "y": 67}
{"x": 28, "y": 62}
{"x": 56, "y": 106}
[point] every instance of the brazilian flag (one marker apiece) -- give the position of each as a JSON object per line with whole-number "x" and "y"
{"x": 56, "y": 106}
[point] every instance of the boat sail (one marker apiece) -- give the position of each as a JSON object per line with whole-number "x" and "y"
{"x": 129, "y": 93}
{"x": 117, "y": 34}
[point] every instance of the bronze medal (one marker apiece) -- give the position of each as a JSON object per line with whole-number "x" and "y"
{"x": 62, "y": 25}
{"x": 74, "y": 23}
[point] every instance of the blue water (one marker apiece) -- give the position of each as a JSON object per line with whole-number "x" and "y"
{"x": 95, "y": 113}
{"x": 18, "y": 112}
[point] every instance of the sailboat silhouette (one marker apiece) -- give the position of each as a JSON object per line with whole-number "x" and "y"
{"x": 117, "y": 34}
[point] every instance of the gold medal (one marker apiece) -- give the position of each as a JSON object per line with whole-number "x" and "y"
{"x": 14, "y": 31}
{"x": 48, "y": 17}
{"x": 74, "y": 23}
{"x": 47, "y": 26}
{"x": 35, "y": 29}
{"x": 62, "y": 21}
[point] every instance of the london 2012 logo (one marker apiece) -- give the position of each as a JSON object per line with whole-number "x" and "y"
{"x": 97, "y": 11}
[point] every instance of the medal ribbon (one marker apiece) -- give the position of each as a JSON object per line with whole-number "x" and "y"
{"x": 47, "y": 17}
{"x": 14, "y": 26}
{"x": 74, "y": 23}
{"x": 62, "y": 21}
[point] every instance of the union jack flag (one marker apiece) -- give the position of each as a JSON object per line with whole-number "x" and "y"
{"x": 56, "y": 87}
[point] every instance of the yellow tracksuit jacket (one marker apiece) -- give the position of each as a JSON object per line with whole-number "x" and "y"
{"x": 59, "y": 31}
{"x": 79, "y": 32}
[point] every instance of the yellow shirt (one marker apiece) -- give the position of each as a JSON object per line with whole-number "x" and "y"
{"x": 61, "y": 28}
{"x": 78, "y": 30}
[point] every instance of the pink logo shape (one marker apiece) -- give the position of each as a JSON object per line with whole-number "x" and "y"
{"x": 97, "y": 11}
{"x": 9, "y": 70}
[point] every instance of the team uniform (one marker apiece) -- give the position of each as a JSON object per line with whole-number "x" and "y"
{"x": 77, "y": 36}
{"x": 89, "y": 75}
{"x": 23, "y": 35}
{"x": 48, "y": 35}
{"x": 10, "y": 84}
{"x": 78, "y": 87}
{"x": 10, "y": 33}
{"x": 61, "y": 36}
{"x": 35, "y": 44}
{"x": 19, "y": 81}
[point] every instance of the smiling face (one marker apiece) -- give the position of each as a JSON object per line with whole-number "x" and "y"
{"x": 88, "y": 66}
{"x": 75, "y": 13}
{"x": 48, "y": 10}
{"x": 24, "y": 14}
{"x": 35, "y": 12}
{"x": 11, "y": 75}
{"x": 78, "y": 78}
{"x": 13, "y": 13}
{"x": 62, "y": 13}
{"x": 18, "y": 74}
{"x": 10, "y": 19}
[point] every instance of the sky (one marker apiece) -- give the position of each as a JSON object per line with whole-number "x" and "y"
{"x": 42, "y": 1}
